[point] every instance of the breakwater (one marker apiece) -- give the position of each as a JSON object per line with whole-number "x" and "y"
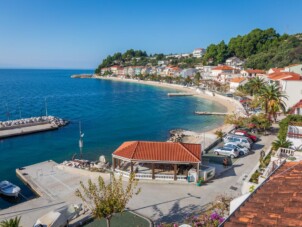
{"x": 30, "y": 125}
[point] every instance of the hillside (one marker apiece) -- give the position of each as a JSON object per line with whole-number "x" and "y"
{"x": 261, "y": 49}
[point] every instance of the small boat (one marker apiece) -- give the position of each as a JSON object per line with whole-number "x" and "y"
{"x": 9, "y": 189}
{"x": 59, "y": 217}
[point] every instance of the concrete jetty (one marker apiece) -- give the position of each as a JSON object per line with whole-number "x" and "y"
{"x": 210, "y": 113}
{"x": 81, "y": 76}
{"x": 180, "y": 94}
{"x": 30, "y": 125}
{"x": 55, "y": 184}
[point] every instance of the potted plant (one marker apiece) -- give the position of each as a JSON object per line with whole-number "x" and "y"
{"x": 200, "y": 181}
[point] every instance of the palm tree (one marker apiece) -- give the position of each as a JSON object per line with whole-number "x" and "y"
{"x": 13, "y": 222}
{"x": 281, "y": 143}
{"x": 272, "y": 100}
{"x": 255, "y": 85}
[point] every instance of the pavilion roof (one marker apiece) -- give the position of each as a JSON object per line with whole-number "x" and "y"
{"x": 159, "y": 151}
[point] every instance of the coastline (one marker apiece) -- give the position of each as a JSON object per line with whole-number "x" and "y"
{"x": 205, "y": 137}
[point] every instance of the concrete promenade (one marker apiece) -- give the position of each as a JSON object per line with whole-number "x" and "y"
{"x": 159, "y": 201}
{"x": 54, "y": 183}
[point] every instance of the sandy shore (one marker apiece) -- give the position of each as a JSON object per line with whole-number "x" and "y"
{"x": 206, "y": 137}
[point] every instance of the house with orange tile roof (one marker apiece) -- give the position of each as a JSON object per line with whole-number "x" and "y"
{"x": 276, "y": 202}
{"x": 115, "y": 68}
{"x": 297, "y": 108}
{"x": 290, "y": 84}
{"x": 222, "y": 69}
{"x": 236, "y": 82}
{"x": 250, "y": 73}
{"x": 160, "y": 161}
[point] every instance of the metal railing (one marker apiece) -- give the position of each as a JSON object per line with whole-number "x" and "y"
{"x": 148, "y": 176}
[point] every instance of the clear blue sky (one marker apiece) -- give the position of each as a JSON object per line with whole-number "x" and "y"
{"x": 80, "y": 33}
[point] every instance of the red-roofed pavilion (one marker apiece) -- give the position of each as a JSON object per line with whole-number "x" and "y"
{"x": 157, "y": 160}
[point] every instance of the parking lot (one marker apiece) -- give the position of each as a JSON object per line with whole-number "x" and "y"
{"x": 218, "y": 159}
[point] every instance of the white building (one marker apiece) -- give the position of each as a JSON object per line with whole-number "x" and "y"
{"x": 294, "y": 135}
{"x": 290, "y": 84}
{"x": 188, "y": 72}
{"x": 198, "y": 52}
{"x": 236, "y": 82}
{"x": 295, "y": 68}
{"x": 234, "y": 62}
{"x": 222, "y": 69}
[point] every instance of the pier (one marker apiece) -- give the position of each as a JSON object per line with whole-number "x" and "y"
{"x": 81, "y": 76}
{"x": 210, "y": 113}
{"x": 55, "y": 184}
{"x": 30, "y": 125}
{"x": 180, "y": 94}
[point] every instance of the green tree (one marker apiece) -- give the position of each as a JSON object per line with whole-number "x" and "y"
{"x": 106, "y": 200}
{"x": 280, "y": 142}
{"x": 255, "y": 85}
{"x": 197, "y": 78}
{"x": 219, "y": 134}
{"x": 12, "y": 222}
{"x": 271, "y": 100}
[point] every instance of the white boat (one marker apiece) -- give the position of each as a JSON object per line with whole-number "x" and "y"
{"x": 59, "y": 217}
{"x": 9, "y": 189}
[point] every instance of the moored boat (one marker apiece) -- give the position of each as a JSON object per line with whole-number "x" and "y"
{"x": 9, "y": 189}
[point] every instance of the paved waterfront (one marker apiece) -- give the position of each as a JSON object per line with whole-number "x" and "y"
{"x": 173, "y": 202}
{"x": 55, "y": 184}
{"x": 161, "y": 202}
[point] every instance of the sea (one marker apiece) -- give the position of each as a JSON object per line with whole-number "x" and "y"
{"x": 110, "y": 112}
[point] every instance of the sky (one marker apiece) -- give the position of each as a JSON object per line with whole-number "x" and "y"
{"x": 78, "y": 34}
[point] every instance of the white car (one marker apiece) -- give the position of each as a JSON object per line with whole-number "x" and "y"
{"x": 244, "y": 141}
{"x": 242, "y": 150}
{"x": 227, "y": 151}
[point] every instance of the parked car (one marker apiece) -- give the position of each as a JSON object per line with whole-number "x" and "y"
{"x": 242, "y": 140}
{"x": 242, "y": 150}
{"x": 230, "y": 152}
{"x": 245, "y": 133}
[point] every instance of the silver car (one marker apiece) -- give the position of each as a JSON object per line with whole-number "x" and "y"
{"x": 242, "y": 140}
{"x": 230, "y": 152}
{"x": 242, "y": 150}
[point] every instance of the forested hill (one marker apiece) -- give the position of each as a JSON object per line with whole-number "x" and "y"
{"x": 262, "y": 49}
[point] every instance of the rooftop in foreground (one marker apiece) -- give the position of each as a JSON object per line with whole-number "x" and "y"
{"x": 278, "y": 202}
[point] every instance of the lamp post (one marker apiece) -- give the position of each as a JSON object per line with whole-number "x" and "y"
{"x": 81, "y": 140}
{"x": 45, "y": 102}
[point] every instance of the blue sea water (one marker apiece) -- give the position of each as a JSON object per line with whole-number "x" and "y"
{"x": 110, "y": 112}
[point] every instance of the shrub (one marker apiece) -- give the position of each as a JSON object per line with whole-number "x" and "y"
{"x": 254, "y": 177}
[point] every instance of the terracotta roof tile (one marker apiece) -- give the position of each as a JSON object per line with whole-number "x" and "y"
{"x": 256, "y": 71}
{"x": 284, "y": 76}
{"x": 278, "y": 202}
{"x": 237, "y": 79}
{"x": 223, "y": 67}
{"x": 160, "y": 151}
{"x": 297, "y": 105}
